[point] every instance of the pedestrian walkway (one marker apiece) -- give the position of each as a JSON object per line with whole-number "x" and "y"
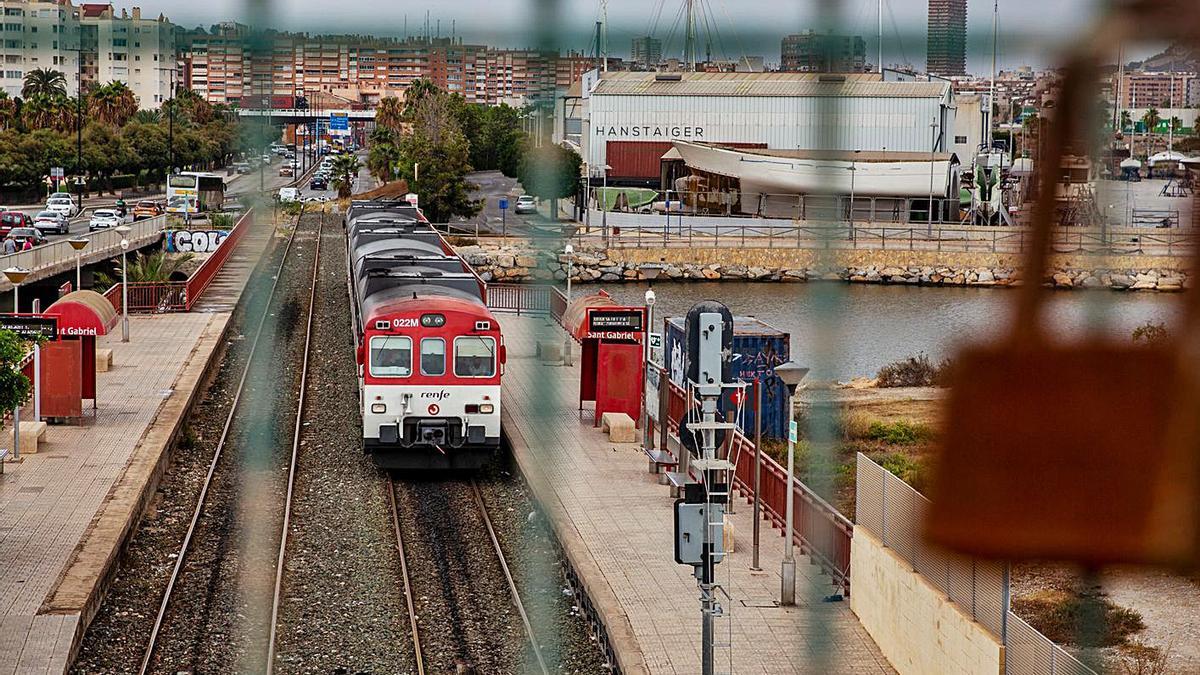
{"x": 58, "y": 500}
{"x": 66, "y": 511}
{"x": 616, "y": 523}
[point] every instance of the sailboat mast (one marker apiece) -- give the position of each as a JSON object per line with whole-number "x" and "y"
{"x": 880, "y": 17}
{"x": 992, "y": 93}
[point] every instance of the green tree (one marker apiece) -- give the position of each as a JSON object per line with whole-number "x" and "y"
{"x": 8, "y": 110}
{"x": 113, "y": 104}
{"x": 382, "y": 155}
{"x": 1126, "y": 119}
{"x": 42, "y": 111}
{"x": 1176, "y": 124}
{"x": 1151, "y": 119}
{"x": 551, "y": 172}
{"x": 342, "y": 174}
{"x": 14, "y": 386}
{"x": 389, "y": 114}
{"x": 418, "y": 91}
{"x": 44, "y": 82}
{"x": 159, "y": 266}
{"x": 438, "y": 145}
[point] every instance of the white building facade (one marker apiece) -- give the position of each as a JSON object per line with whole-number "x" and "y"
{"x": 89, "y": 43}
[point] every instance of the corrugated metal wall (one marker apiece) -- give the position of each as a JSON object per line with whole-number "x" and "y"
{"x": 643, "y": 159}
{"x": 877, "y": 123}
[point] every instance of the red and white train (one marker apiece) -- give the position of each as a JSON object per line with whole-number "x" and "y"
{"x": 430, "y": 354}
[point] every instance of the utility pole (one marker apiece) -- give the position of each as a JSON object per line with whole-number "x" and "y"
{"x": 79, "y": 121}
{"x": 171, "y": 127}
{"x": 880, "y": 15}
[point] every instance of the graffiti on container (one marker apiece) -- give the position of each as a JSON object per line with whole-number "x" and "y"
{"x": 195, "y": 241}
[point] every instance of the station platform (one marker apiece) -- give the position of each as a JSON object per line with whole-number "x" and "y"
{"x": 616, "y": 525}
{"x": 66, "y": 511}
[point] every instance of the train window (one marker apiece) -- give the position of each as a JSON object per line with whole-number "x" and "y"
{"x": 391, "y": 356}
{"x": 474, "y": 356}
{"x": 433, "y": 356}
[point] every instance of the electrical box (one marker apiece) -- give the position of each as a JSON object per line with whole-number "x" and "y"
{"x": 690, "y": 521}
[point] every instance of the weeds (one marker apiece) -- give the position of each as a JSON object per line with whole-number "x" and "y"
{"x": 915, "y": 371}
{"x": 1058, "y": 613}
{"x": 1150, "y": 333}
{"x": 1139, "y": 658}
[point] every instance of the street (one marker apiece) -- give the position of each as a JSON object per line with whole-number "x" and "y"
{"x": 491, "y": 186}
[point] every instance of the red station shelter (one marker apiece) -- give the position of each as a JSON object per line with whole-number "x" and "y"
{"x": 613, "y": 361}
{"x": 69, "y": 365}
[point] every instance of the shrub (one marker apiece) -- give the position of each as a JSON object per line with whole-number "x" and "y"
{"x": 1058, "y": 615}
{"x": 900, "y": 432}
{"x": 1139, "y": 658}
{"x": 902, "y": 466}
{"x": 856, "y": 426}
{"x": 915, "y": 371}
{"x": 221, "y": 221}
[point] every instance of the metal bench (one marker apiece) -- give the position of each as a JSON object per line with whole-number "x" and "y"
{"x": 3, "y": 457}
{"x": 660, "y": 460}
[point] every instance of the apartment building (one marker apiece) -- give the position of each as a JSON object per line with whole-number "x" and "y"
{"x": 1156, "y": 90}
{"x": 92, "y": 44}
{"x": 38, "y": 34}
{"x": 813, "y": 52}
{"x": 946, "y": 49}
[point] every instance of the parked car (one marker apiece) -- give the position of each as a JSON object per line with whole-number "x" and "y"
{"x": 20, "y": 234}
{"x": 11, "y": 219}
{"x": 62, "y": 204}
{"x": 146, "y": 209}
{"x": 526, "y": 204}
{"x": 103, "y": 219}
{"x": 266, "y": 158}
{"x": 286, "y": 171}
{"x": 52, "y": 220}
{"x": 319, "y": 182}
{"x": 242, "y": 167}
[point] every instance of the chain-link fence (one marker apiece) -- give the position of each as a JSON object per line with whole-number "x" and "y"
{"x": 893, "y": 511}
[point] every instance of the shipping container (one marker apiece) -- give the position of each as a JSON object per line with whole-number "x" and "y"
{"x": 757, "y": 348}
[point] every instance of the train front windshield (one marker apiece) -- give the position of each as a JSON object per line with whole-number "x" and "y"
{"x": 391, "y": 356}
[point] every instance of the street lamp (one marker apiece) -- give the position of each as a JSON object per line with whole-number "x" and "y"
{"x": 651, "y": 273}
{"x": 568, "y": 251}
{"x": 791, "y": 374}
{"x": 124, "y": 230}
{"x": 853, "y": 170}
{"x": 15, "y": 276}
{"x": 78, "y": 243}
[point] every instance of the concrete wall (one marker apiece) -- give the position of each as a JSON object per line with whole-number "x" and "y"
{"x": 919, "y": 629}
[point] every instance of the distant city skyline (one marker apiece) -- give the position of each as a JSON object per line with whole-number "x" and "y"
{"x": 1032, "y": 31}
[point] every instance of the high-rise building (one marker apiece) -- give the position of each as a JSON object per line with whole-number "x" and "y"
{"x": 1156, "y": 90}
{"x": 646, "y": 51}
{"x": 946, "y": 50}
{"x": 813, "y": 52}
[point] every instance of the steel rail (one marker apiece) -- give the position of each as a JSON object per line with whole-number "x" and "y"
{"x": 408, "y": 591}
{"x": 152, "y": 642}
{"x": 512, "y": 585}
{"x": 287, "y": 505}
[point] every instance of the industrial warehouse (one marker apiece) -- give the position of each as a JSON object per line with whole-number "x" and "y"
{"x": 755, "y": 141}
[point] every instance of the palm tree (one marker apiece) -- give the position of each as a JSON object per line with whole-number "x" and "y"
{"x": 342, "y": 174}
{"x": 389, "y": 114}
{"x": 1151, "y": 120}
{"x": 44, "y": 81}
{"x": 147, "y": 116}
{"x": 113, "y": 103}
{"x": 8, "y": 110}
{"x": 157, "y": 267}
{"x": 1126, "y": 119}
{"x": 41, "y": 111}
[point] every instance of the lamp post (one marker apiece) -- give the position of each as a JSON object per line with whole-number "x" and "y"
{"x": 651, "y": 273}
{"x": 78, "y": 243}
{"x": 569, "y": 251}
{"x": 791, "y": 374}
{"x": 853, "y": 170}
{"x": 932, "y": 149}
{"x": 15, "y": 276}
{"x": 124, "y": 230}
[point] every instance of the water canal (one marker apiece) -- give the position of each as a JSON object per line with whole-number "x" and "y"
{"x": 875, "y": 325}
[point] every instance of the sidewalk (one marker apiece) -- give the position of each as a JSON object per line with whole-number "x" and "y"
{"x": 64, "y": 510}
{"x": 616, "y": 524}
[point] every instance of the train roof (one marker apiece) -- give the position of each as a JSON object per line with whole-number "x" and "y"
{"x": 376, "y": 280}
{"x": 382, "y": 206}
{"x": 423, "y": 233}
{"x": 399, "y": 246}
{"x": 419, "y": 296}
{"x": 387, "y": 262}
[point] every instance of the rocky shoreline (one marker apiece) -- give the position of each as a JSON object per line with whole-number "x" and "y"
{"x": 522, "y": 264}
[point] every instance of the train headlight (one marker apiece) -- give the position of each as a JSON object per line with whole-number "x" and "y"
{"x": 378, "y": 408}
{"x": 487, "y": 408}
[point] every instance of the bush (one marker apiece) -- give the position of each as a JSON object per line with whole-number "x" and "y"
{"x": 900, "y": 432}
{"x": 915, "y": 371}
{"x": 902, "y": 466}
{"x": 1138, "y": 658}
{"x": 221, "y": 221}
{"x": 1058, "y": 613}
{"x": 856, "y": 426}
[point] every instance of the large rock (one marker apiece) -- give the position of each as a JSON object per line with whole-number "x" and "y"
{"x": 1062, "y": 280}
{"x": 505, "y": 260}
{"x": 892, "y": 272}
{"x": 710, "y": 273}
{"x": 985, "y": 276}
{"x": 526, "y": 261}
{"x": 609, "y": 276}
{"x": 758, "y": 272}
{"x": 673, "y": 271}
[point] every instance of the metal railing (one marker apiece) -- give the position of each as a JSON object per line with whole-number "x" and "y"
{"x": 158, "y": 297}
{"x": 893, "y": 511}
{"x": 821, "y": 531}
{"x": 527, "y": 299}
{"x": 41, "y": 259}
{"x": 632, "y": 230}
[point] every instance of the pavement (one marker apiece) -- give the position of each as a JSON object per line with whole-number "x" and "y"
{"x": 69, "y": 508}
{"x": 615, "y": 523}
{"x": 490, "y": 187}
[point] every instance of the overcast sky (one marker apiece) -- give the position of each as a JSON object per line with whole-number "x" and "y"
{"x": 1031, "y": 30}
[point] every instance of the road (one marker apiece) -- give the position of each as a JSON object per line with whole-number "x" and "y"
{"x": 491, "y": 186}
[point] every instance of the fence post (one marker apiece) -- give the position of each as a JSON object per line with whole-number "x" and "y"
{"x": 883, "y": 510}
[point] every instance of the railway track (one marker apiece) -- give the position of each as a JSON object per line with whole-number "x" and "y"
{"x": 466, "y": 650}
{"x": 283, "y": 313}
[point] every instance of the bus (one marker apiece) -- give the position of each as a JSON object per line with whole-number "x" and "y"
{"x": 195, "y": 192}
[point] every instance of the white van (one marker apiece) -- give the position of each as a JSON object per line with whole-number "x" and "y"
{"x": 289, "y": 194}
